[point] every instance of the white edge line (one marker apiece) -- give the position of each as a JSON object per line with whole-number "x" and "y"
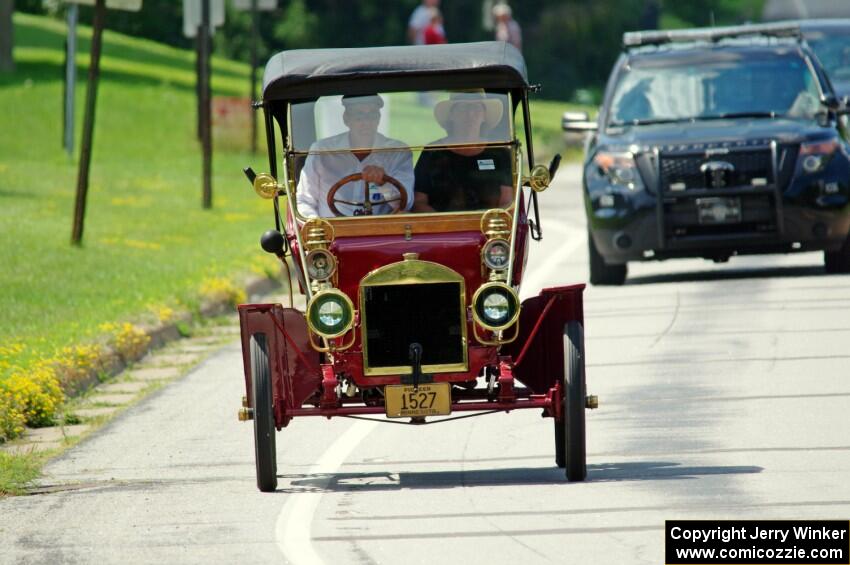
{"x": 292, "y": 530}
{"x": 535, "y": 278}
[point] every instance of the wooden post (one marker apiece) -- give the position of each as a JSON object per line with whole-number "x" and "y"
{"x": 254, "y": 37}
{"x": 88, "y": 123}
{"x": 206, "y": 126}
{"x": 199, "y": 112}
{"x": 70, "y": 80}
{"x": 7, "y": 28}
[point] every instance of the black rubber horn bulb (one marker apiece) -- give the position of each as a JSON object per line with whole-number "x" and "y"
{"x": 272, "y": 242}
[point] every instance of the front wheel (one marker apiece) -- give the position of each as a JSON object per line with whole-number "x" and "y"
{"x": 572, "y": 432}
{"x": 265, "y": 451}
{"x": 601, "y": 273}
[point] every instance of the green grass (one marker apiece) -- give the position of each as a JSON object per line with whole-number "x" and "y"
{"x": 147, "y": 240}
{"x": 18, "y": 471}
{"x": 547, "y": 135}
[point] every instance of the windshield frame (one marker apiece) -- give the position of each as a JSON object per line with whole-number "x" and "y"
{"x": 512, "y": 144}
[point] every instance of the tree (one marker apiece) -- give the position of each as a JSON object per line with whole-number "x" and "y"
{"x": 568, "y": 44}
{"x": 7, "y": 63}
{"x": 575, "y": 43}
{"x": 715, "y": 12}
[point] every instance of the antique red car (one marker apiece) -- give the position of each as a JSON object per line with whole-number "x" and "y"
{"x": 407, "y": 219}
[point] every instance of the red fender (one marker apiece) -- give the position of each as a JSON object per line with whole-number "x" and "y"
{"x": 538, "y": 351}
{"x": 295, "y": 366}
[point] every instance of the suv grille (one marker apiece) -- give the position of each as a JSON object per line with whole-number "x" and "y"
{"x": 397, "y": 315}
{"x": 683, "y": 183}
{"x": 682, "y": 172}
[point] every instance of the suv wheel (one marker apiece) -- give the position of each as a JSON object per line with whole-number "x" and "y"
{"x": 838, "y": 261}
{"x": 601, "y": 273}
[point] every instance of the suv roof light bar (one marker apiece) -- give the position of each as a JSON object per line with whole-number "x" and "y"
{"x": 654, "y": 37}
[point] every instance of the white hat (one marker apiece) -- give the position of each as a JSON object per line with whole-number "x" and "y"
{"x": 501, "y": 10}
{"x": 351, "y": 100}
{"x": 492, "y": 107}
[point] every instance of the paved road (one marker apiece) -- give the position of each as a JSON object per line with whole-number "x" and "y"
{"x": 725, "y": 392}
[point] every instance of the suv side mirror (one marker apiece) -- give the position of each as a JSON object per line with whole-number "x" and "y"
{"x": 577, "y": 122}
{"x": 830, "y": 101}
{"x": 840, "y": 106}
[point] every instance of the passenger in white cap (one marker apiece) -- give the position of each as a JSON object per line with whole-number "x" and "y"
{"x": 353, "y": 151}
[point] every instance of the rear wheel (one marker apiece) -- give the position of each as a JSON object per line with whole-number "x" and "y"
{"x": 601, "y": 273}
{"x": 572, "y": 427}
{"x": 265, "y": 451}
{"x": 560, "y": 445}
{"x": 838, "y": 261}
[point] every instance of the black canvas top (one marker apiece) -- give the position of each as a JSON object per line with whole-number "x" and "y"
{"x": 309, "y": 73}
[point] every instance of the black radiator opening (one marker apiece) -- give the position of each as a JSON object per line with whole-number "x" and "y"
{"x": 398, "y": 315}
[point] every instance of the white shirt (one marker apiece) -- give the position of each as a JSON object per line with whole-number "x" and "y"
{"x": 419, "y": 20}
{"x": 509, "y": 32}
{"x": 322, "y": 171}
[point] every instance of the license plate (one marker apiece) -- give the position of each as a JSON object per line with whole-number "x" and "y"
{"x": 719, "y": 210}
{"x": 433, "y": 399}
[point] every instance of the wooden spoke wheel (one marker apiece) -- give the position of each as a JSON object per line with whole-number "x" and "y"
{"x": 570, "y": 450}
{"x": 265, "y": 451}
{"x": 402, "y": 198}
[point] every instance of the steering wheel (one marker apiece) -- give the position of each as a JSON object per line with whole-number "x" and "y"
{"x": 366, "y": 203}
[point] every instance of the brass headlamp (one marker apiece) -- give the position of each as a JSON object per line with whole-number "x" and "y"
{"x": 539, "y": 178}
{"x": 495, "y": 254}
{"x": 319, "y": 262}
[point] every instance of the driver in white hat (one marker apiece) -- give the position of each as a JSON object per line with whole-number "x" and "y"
{"x": 338, "y": 156}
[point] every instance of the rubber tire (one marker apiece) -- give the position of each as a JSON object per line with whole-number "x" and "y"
{"x": 575, "y": 392}
{"x": 560, "y": 445}
{"x": 601, "y": 273}
{"x": 838, "y": 262}
{"x": 265, "y": 451}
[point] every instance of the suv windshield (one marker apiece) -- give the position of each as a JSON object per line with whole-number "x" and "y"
{"x": 401, "y": 152}
{"x": 720, "y": 85}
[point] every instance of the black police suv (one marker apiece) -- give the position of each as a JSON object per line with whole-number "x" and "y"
{"x": 712, "y": 143}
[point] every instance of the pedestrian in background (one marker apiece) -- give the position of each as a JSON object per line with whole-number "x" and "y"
{"x": 419, "y": 20}
{"x": 506, "y": 27}
{"x": 434, "y": 33}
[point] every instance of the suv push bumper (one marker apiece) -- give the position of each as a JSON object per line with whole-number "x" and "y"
{"x": 640, "y": 236}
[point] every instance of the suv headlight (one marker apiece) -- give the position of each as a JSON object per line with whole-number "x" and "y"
{"x": 495, "y": 306}
{"x": 330, "y": 313}
{"x": 815, "y": 155}
{"x": 619, "y": 167}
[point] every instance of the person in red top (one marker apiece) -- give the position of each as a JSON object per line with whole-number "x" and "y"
{"x": 434, "y": 33}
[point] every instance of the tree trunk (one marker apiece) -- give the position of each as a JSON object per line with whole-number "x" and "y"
{"x": 7, "y": 63}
